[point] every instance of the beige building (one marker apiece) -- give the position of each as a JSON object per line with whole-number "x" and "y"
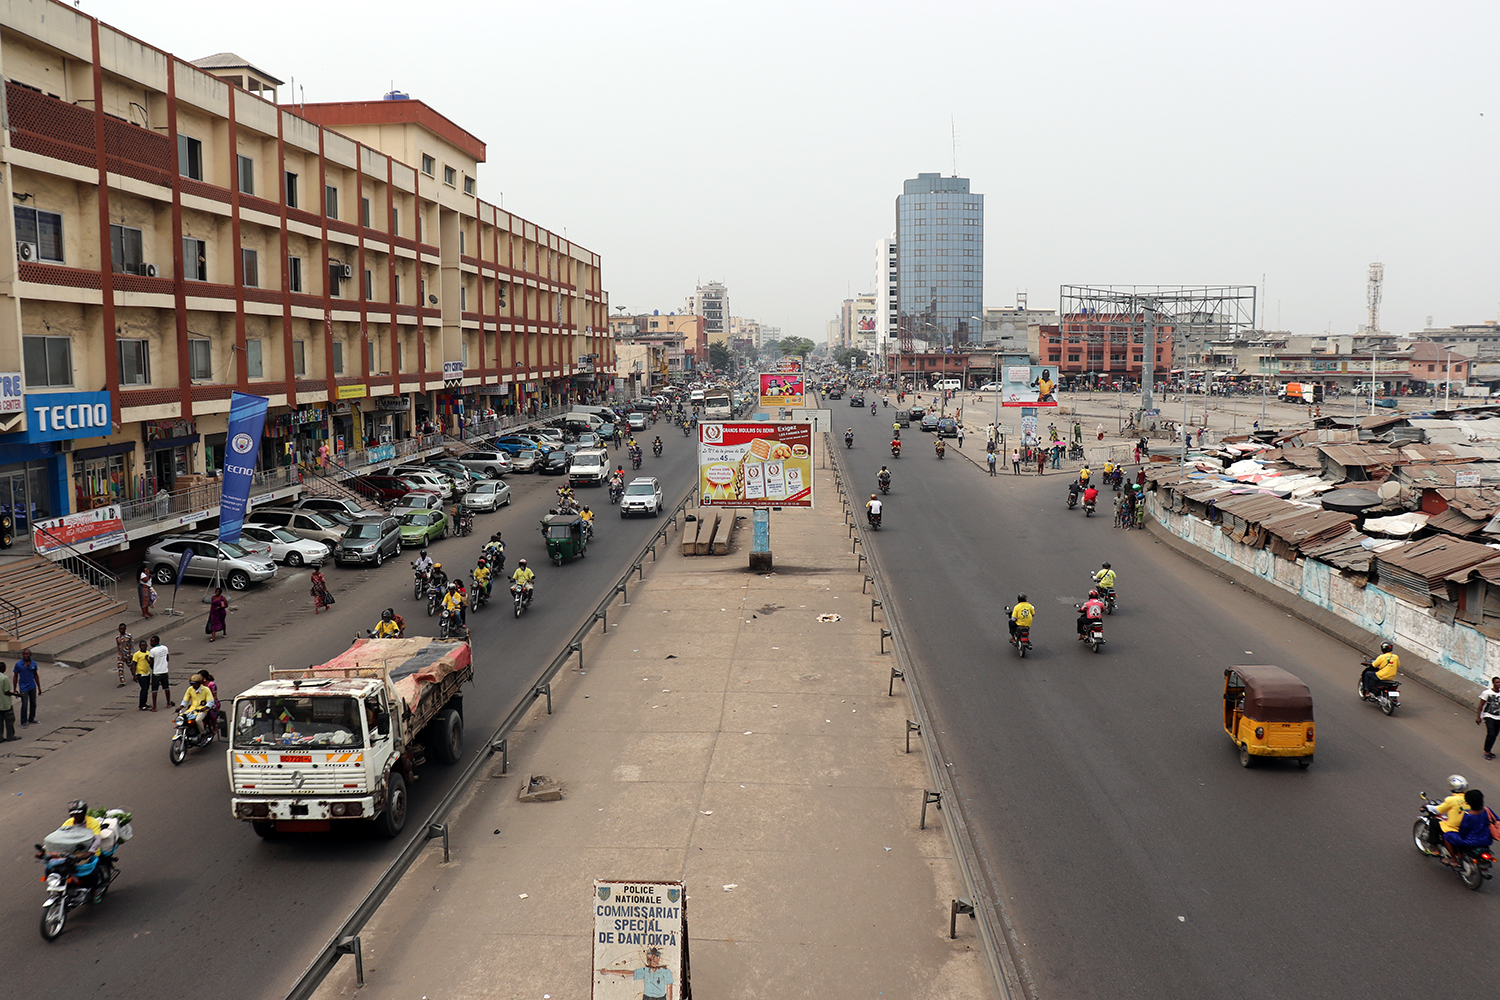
{"x": 179, "y": 237}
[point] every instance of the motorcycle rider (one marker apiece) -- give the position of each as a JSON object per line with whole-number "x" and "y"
{"x": 439, "y": 577}
{"x": 848, "y": 436}
{"x": 1105, "y": 578}
{"x": 1450, "y": 809}
{"x": 1381, "y": 670}
{"x": 1109, "y": 471}
{"x": 423, "y": 564}
{"x": 883, "y": 477}
{"x": 453, "y": 601}
{"x": 896, "y": 429}
{"x": 78, "y": 815}
{"x": 1083, "y": 475}
{"x": 494, "y": 550}
{"x": 588, "y": 519}
{"x": 198, "y": 700}
{"x": 525, "y": 577}
{"x": 896, "y": 445}
{"x": 940, "y": 448}
{"x": 1090, "y": 495}
{"x": 1088, "y": 611}
{"x": 656, "y": 445}
{"x": 1021, "y": 614}
{"x": 482, "y": 577}
{"x": 388, "y": 627}
{"x": 872, "y": 508}
{"x": 1473, "y": 825}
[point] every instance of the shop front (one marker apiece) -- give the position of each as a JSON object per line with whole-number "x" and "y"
{"x": 171, "y": 447}
{"x": 33, "y": 467}
{"x": 295, "y": 436}
{"x": 391, "y": 418}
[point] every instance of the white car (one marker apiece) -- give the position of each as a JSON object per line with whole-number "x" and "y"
{"x": 990, "y": 387}
{"x": 416, "y": 501}
{"x": 487, "y": 496}
{"x": 283, "y": 546}
{"x": 429, "y": 479}
{"x": 642, "y": 496}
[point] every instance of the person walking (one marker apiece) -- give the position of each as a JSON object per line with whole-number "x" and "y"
{"x": 991, "y": 457}
{"x": 1057, "y": 454}
{"x": 145, "y": 591}
{"x": 1015, "y": 461}
{"x": 141, "y": 664}
{"x": 1041, "y": 461}
{"x": 124, "y": 648}
{"x": 218, "y": 615}
{"x": 28, "y": 685}
{"x": 7, "y": 708}
{"x": 161, "y": 679}
{"x": 1489, "y": 714}
{"x": 321, "y": 598}
{"x": 960, "y": 435}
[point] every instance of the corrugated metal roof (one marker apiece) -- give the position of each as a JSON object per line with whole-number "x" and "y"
{"x": 1489, "y": 571}
{"x": 1362, "y": 455}
{"x": 1346, "y": 551}
{"x": 1437, "y": 453}
{"x": 1308, "y": 524}
{"x": 1453, "y": 522}
{"x": 1432, "y": 559}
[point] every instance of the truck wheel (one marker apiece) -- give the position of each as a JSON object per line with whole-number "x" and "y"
{"x": 446, "y": 736}
{"x": 264, "y": 828}
{"x": 392, "y": 821}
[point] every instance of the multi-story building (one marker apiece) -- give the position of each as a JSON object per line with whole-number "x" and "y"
{"x": 711, "y": 301}
{"x": 180, "y": 236}
{"x": 940, "y": 261}
{"x": 887, "y": 295}
{"x": 684, "y": 335}
{"x": 1110, "y": 345}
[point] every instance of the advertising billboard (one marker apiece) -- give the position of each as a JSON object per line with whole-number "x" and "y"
{"x": 755, "y": 465}
{"x": 781, "y": 389}
{"x": 86, "y": 531}
{"x": 1028, "y": 385}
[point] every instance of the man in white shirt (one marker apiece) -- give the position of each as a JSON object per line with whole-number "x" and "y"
{"x": 1489, "y": 713}
{"x": 160, "y": 679}
{"x": 873, "y": 507}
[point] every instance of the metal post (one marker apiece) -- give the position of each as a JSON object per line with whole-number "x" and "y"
{"x": 874, "y": 603}
{"x": 885, "y": 634}
{"x": 960, "y": 906}
{"x": 930, "y": 798}
{"x": 350, "y": 946}
{"x": 911, "y": 727}
{"x": 439, "y": 830}
{"x": 1148, "y": 354}
{"x": 896, "y": 674}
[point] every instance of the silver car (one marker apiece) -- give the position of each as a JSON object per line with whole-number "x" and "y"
{"x": 230, "y": 563}
{"x": 283, "y": 546}
{"x": 302, "y": 523}
{"x": 487, "y": 496}
{"x": 525, "y": 460}
{"x": 430, "y": 479}
{"x": 490, "y": 464}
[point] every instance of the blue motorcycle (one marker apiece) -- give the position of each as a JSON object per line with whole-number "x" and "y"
{"x": 74, "y": 875}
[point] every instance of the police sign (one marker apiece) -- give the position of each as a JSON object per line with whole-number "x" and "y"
{"x": 62, "y": 416}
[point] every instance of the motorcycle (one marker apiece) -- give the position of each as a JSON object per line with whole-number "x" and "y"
{"x": 420, "y": 578}
{"x": 656, "y": 448}
{"x": 434, "y": 600}
{"x": 1093, "y": 636}
{"x": 849, "y": 439}
{"x": 873, "y": 409}
{"x": 885, "y": 484}
{"x": 615, "y": 492}
{"x": 1020, "y": 636}
{"x": 182, "y": 733}
{"x": 1117, "y": 479}
{"x": 1387, "y": 696}
{"x": 941, "y": 450}
{"x": 464, "y": 521}
{"x": 73, "y": 874}
{"x": 496, "y": 560}
{"x": 478, "y": 597}
{"x": 1072, "y": 497}
{"x": 449, "y": 625}
{"x": 685, "y": 428}
{"x": 1088, "y": 508}
{"x": 635, "y": 459}
{"x": 521, "y": 597}
{"x": 895, "y": 449}
{"x": 1107, "y": 595}
{"x": 874, "y": 519}
{"x": 1470, "y": 864}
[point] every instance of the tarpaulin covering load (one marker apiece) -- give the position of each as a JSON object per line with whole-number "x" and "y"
{"x": 413, "y": 664}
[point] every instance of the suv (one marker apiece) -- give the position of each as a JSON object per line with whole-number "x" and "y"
{"x": 303, "y": 523}
{"x": 642, "y": 496}
{"x": 369, "y": 539}
{"x": 331, "y": 505}
{"x": 237, "y": 567}
{"x": 381, "y": 489}
{"x": 490, "y": 464}
{"x": 589, "y": 468}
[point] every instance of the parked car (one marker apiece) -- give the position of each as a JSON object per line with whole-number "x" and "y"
{"x": 285, "y": 547}
{"x": 371, "y": 539}
{"x": 930, "y": 422}
{"x": 423, "y": 527}
{"x": 512, "y": 443}
{"x": 463, "y": 478}
{"x": 230, "y": 563}
{"x": 381, "y": 489}
{"x": 420, "y": 500}
{"x": 588, "y": 440}
{"x": 947, "y": 427}
{"x": 549, "y": 435}
{"x": 429, "y": 479}
{"x": 490, "y": 464}
{"x": 337, "y": 505}
{"x": 553, "y": 462}
{"x": 991, "y": 387}
{"x": 637, "y": 421}
{"x": 525, "y": 461}
{"x": 302, "y": 523}
{"x": 642, "y": 496}
{"x": 487, "y": 496}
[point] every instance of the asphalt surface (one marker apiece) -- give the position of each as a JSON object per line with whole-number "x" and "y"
{"x": 202, "y": 903}
{"x": 1134, "y": 856}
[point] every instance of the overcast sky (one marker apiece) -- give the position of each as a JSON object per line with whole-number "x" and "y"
{"x": 1115, "y": 143}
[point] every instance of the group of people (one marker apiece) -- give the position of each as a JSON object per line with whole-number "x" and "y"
{"x": 1023, "y": 612}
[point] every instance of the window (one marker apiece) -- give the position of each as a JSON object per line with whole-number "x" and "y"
{"x": 299, "y": 357}
{"x": 189, "y": 157}
{"x": 247, "y": 175}
{"x": 125, "y": 250}
{"x": 369, "y": 284}
{"x": 396, "y": 289}
{"x": 48, "y": 361}
{"x": 462, "y": 242}
{"x": 468, "y": 184}
{"x": 464, "y": 353}
{"x": 395, "y": 221}
{"x": 250, "y": 267}
{"x": 364, "y": 212}
{"x": 450, "y": 176}
{"x": 335, "y": 275}
{"x": 135, "y": 361}
{"x": 294, "y": 273}
{"x": 200, "y": 359}
{"x": 43, "y": 230}
{"x": 194, "y": 259}
{"x": 1072, "y": 357}
{"x": 331, "y": 201}
{"x": 463, "y": 298}
{"x": 254, "y": 365}
{"x": 338, "y": 357}
{"x": 291, "y": 190}
{"x": 428, "y": 164}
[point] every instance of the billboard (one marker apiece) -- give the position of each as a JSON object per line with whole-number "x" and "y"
{"x": 86, "y": 531}
{"x": 1028, "y": 385}
{"x": 781, "y": 389}
{"x": 755, "y": 465}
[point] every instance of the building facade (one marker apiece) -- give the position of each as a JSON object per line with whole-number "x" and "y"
{"x": 180, "y": 237}
{"x": 940, "y": 261}
{"x": 887, "y": 294}
{"x": 711, "y": 301}
{"x": 1106, "y": 345}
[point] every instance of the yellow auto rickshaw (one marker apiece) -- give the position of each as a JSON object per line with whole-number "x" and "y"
{"x": 1268, "y": 712}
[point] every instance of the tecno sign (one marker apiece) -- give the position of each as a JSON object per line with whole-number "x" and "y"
{"x": 60, "y": 416}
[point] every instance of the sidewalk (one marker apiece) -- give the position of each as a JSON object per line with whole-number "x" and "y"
{"x": 724, "y": 736}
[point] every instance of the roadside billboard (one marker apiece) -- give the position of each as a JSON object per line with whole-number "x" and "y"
{"x": 755, "y": 465}
{"x": 85, "y": 531}
{"x": 780, "y": 389}
{"x": 1028, "y": 385}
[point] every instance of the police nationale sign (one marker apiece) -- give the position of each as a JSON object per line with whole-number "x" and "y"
{"x": 640, "y": 941}
{"x": 62, "y": 416}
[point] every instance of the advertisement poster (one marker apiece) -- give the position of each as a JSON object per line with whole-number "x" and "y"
{"x": 247, "y": 421}
{"x": 1028, "y": 385}
{"x": 640, "y": 941}
{"x": 755, "y": 465}
{"x": 781, "y": 389}
{"x": 85, "y": 531}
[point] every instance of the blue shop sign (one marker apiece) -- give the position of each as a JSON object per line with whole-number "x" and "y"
{"x": 62, "y": 416}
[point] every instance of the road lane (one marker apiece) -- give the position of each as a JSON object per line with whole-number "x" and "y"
{"x": 195, "y": 881}
{"x": 1135, "y": 856}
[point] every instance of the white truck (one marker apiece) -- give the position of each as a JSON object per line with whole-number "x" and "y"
{"x": 340, "y": 742}
{"x": 717, "y": 405}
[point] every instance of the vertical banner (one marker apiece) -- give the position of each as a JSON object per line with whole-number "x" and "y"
{"x": 247, "y": 420}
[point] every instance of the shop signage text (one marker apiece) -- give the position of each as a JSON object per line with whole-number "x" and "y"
{"x": 12, "y": 393}
{"x": 352, "y": 391}
{"x": 61, "y": 416}
{"x": 87, "y": 530}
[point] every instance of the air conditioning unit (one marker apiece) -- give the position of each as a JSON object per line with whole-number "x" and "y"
{"x": 149, "y": 270}
{"x": 345, "y": 271}
{"x": 26, "y": 251}
{"x": 67, "y": 445}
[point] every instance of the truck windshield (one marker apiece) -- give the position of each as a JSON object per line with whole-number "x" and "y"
{"x": 297, "y": 721}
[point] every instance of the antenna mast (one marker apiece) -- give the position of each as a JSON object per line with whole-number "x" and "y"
{"x": 953, "y": 128}
{"x": 1372, "y": 295}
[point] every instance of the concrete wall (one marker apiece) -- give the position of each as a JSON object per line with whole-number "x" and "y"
{"x": 1457, "y": 648}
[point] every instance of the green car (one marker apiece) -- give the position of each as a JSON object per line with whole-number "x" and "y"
{"x": 422, "y": 527}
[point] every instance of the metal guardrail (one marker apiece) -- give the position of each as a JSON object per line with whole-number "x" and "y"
{"x": 985, "y": 910}
{"x": 345, "y": 940}
{"x": 10, "y": 615}
{"x": 164, "y": 505}
{"x": 81, "y": 566}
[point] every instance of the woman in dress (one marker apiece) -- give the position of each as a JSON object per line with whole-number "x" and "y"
{"x": 144, "y": 591}
{"x": 218, "y": 614}
{"x": 319, "y": 590}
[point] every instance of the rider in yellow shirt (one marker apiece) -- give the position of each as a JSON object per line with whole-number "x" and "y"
{"x": 482, "y": 577}
{"x": 1022, "y": 614}
{"x": 388, "y": 627}
{"x": 1382, "y": 670}
{"x": 1105, "y": 578}
{"x": 1083, "y": 475}
{"x": 197, "y": 699}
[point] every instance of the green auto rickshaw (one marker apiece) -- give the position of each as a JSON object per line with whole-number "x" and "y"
{"x": 565, "y": 536}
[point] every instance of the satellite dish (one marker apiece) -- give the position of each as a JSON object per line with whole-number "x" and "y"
{"x": 1389, "y": 490}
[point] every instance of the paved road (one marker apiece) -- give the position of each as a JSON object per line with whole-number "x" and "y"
{"x": 1136, "y": 858}
{"x": 198, "y": 891}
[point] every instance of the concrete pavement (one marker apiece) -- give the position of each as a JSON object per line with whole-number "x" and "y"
{"x": 723, "y": 735}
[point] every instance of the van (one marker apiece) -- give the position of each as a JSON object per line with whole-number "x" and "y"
{"x": 588, "y": 468}
{"x": 949, "y": 384}
{"x": 577, "y": 420}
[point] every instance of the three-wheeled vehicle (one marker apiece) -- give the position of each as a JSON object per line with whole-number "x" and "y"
{"x": 1268, "y": 712}
{"x": 565, "y": 536}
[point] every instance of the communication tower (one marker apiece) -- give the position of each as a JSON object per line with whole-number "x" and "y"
{"x": 1372, "y": 295}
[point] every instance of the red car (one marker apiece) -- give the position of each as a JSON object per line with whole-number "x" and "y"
{"x": 383, "y": 489}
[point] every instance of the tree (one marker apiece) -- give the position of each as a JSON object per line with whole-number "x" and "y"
{"x": 798, "y": 346}
{"x": 719, "y": 356}
{"x": 850, "y": 357}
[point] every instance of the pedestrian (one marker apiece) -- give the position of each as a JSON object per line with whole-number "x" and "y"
{"x": 141, "y": 662}
{"x": 124, "y": 647}
{"x": 1077, "y": 432}
{"x": 7, "y": 708}
{"x": 1200, "y": 437}
{"x": 1057, "y": 454}
{"x": 321, "y": 598}
{"x": 1489, "y": 714}
{"x": 28, "y": 685}
{"x": 1100, "y": 431}
{"x": 1137, "y": 454}
{"x": 960, "y": 435}
{"x": 991, "y": 457}
{"x": 218, "y": 615}
{"x": 1015, "y": 461}
{"x": 1041, "y": 461}
{"x": 161, "y": 678}
{"x": 145, "y": 591}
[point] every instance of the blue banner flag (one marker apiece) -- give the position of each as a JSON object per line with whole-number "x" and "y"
{"x": 247, "y": 420}
{"x": 182, "y": 564}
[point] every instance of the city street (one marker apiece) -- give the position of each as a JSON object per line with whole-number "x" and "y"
{"x": 1133, "y": 854}
{"x": 204, "y": 905}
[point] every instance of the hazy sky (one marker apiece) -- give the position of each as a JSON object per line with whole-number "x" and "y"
{"x": 1128, "y": 143}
